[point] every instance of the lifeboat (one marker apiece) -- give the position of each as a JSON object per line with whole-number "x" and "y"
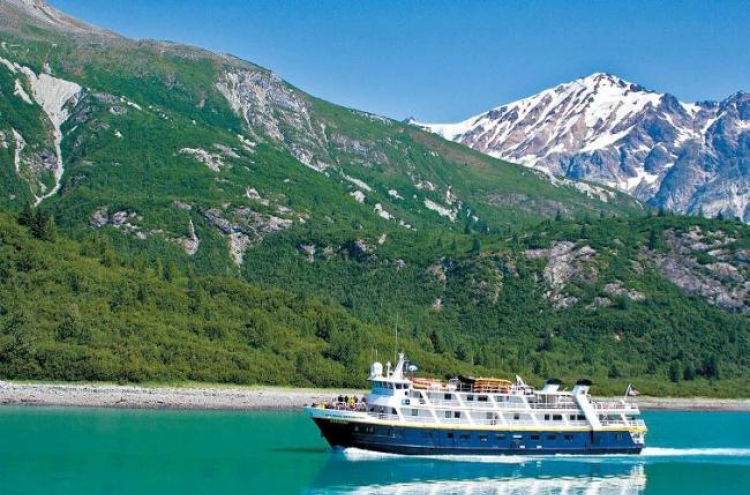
{"x": 492, "y": 385}
{"x": 427, "y": 383}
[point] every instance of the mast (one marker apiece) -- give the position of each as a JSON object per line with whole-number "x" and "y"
{"x": 395, "y": 349}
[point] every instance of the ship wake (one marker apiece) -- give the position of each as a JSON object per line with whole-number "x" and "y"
{"x": 354, "y": 454}
{"x": 688, "y": 452}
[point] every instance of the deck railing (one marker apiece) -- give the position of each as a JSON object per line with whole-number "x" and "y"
{"x": 384, "y": 416}
{"x": 419, "y": 419}
{"x": 578, "y": 423}
{"x": 556, "y": 406}
{"x": 454, "y": 421}
{"x": 614, "y": 406}
{"x": 445, "y": 403}
{"x": 476, "y": 404}
{"x": 620, "y": 422}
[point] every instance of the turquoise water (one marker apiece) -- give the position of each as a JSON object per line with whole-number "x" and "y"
{"x": 82, "y": 451}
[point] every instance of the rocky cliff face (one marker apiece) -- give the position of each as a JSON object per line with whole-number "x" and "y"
{"x": 691, "y": 158}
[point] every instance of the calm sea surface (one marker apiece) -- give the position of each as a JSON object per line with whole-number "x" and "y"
{"x": 83, "y": 451}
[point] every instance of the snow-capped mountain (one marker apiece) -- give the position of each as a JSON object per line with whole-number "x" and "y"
{"x": 688, "y": 157}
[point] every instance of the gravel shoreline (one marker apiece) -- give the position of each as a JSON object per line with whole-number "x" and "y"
{"x": 137, "y": 397}
{"x": 691, "y": 404}
{"x": 251, "y": 398}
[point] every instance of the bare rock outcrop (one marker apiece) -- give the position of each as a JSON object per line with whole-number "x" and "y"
{"x": 616, "y": 289}
{"x": 366, "y": 151}
{"x": 565, "y": 262}
{"x": 308, "y": 250}
{"x": 214, "y": 161}
{"x": 703, "y": 264}
{"x": 191, "y": 242}
{"x": 273, "y": 109}
{"x": 121, "y": 220}
{"x": 244, "y": 227}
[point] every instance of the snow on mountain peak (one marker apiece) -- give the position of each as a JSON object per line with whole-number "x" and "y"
{"x": 604, "y": 128}
{"x": 587, "y": 113}
{"x": 591, "y": 97}
{"x": 603, "y": 78}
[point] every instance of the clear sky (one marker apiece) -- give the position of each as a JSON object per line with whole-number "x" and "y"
{"x": 446, "y": 60}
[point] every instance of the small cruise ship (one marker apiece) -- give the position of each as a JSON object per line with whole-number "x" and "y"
{"x": 478, "y": 416}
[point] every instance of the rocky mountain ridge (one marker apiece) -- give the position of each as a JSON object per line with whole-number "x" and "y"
{"x": 687, "y": 157}
{"x": 89, "y": 120}
{"x": 17, "y": 11}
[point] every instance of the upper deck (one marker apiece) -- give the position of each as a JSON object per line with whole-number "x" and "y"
{"x": 492, "y": 403}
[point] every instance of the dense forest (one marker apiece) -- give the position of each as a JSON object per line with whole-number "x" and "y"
{"x": 81, "y": 311}
{"x": 73, "y": 311}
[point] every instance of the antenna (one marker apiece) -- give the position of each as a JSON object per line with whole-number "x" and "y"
{"x": 395, "y": 350}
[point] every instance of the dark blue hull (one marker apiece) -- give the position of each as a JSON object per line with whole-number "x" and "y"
{"x": 442, "y": 441}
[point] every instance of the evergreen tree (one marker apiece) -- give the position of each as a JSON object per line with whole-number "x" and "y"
{"x": 26, "y": 215}
{"x": 547, "y": 344}
{"x": 675, "y": 371}
{"x": 170, "y": 271}
{"x": 437, "y": 342}
{"x": 42, "y": 226}
{"x": 614, "y": 371}
{"x": 711, "y": 367}
{"x": 688, "y": 372}
{"x": 476, "y": 245}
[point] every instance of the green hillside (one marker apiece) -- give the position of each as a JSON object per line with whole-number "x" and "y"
{"x": 214, "y": 223}
{"x": 71, "y": 311}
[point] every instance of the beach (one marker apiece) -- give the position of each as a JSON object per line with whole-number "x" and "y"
{"x": 691, "y": 404}
{"x": 251, "y": 398}
{"x": 163, "y": 397}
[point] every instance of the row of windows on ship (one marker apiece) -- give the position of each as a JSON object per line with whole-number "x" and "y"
{"x": 489, "y": 415}
{"x": 432, "y": 393}
{"x": 482, "y": 437}
{"x": 466, "y": 436}
{"x": 469, "y": 398}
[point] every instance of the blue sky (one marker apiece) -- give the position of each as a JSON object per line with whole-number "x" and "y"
{"x": 444, "y": 61}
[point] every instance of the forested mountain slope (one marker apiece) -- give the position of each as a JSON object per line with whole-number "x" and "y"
{"x": 186, "y": 215}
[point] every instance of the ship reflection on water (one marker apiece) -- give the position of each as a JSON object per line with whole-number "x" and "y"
{"x": 360, "y": 473}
